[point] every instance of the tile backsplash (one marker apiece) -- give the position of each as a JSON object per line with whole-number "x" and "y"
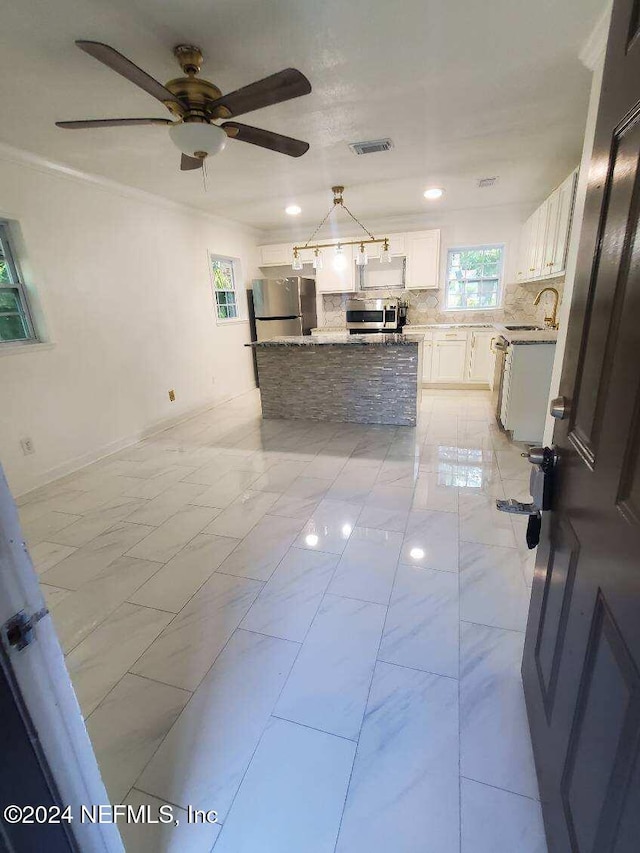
{"x": 427, "y": 306}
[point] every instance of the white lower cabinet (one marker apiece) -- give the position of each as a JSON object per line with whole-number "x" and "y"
{"x": 456, "y": 356}
{"x": 449, "y": 359}
{"x": 427, "y": 355}
{"x": 481, "y": 356}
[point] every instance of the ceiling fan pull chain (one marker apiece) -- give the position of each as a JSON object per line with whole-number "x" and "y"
{"x": 204, "y": 175}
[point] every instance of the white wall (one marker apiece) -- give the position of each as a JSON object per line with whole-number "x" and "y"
{"x": 121, "y": 280}
{"x": 593, "y": 56}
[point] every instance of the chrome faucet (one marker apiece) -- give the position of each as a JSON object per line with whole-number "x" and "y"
{"x": 551, "y": 320}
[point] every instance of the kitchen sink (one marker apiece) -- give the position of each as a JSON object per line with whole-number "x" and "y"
{"x": 524, "y": 328}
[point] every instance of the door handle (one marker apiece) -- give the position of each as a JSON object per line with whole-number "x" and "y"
{"x": 544, "y": 460}
{"x": 514, "y": 507}
{"x": 559, "y": 408}
{"x": 546, "y": 457}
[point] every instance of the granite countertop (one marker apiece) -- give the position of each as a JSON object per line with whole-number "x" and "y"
{"x": 410, "y": 326}
{"x": 340, "y": 339}
{"x": 533, "y": 336}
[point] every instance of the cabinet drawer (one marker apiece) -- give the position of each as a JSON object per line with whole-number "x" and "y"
{"x": 417, "y": 330}
{"x": 450, "y": 335}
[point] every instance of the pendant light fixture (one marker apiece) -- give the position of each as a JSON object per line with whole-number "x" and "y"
{"x": 362, "y": 259}
{"x": 297, "y": 261}
{"x": 340, "y": 260}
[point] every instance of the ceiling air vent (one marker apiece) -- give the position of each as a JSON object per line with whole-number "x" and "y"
{"x": 487, "y": 182}
{"x": 371, "y": 146}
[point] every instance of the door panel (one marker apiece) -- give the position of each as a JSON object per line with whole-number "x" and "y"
{"x": 581, "y": 666}
{"x": 597, "y": 758}
{"x": 481, "y": 357}
{"x": 449, "y": 361}
{"x": 599, "y": 329}
{"x": 560, "y": 573}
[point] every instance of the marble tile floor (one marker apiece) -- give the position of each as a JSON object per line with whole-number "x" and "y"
{"x": 314, "y": 629}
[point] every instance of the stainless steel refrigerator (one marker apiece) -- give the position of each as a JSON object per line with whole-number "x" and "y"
{"x": 284, "y": 306}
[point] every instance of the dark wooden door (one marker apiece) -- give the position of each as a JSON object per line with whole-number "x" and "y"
{"x": 581, "y": 665}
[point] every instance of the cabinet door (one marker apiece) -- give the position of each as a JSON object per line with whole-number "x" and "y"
{"x": 332, "y": 280}
{"x": 540, "y": 240}
{"x": 557, "y": 248}
{"x": 524, "y": 250}
{"x": 449, "y": 359}
{"x": 398, "y": 245}
{"x": 423, "y": 259}
{"x": 551, "y": 233}
{"x": 277, "y": 255}
{"x": 481, "y": 357}
{"x": 427, "y": 354}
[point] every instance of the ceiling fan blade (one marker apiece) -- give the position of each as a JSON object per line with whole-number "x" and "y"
{"x": 187, "y": 163}
{"x": 119, "y": 63}
{"x": 265, "y": 139}
{"x": 111, "y": 122}
{"x": 274, "y": 89}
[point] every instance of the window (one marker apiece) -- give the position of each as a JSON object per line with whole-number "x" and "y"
{"x": 224, "y": 288}
{"x": 473, "y": 278}
{"x": 15, "y": 321}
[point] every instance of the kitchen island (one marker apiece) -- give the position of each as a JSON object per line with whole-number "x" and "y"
{"x": 366, "y": 379}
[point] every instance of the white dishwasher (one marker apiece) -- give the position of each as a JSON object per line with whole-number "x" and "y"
{"x": 525, "y": 384}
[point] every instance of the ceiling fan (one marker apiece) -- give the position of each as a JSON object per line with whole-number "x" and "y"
{"x": 197, "y": 104}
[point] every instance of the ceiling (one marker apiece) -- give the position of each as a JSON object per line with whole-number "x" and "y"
{"x": 465, "y": 90}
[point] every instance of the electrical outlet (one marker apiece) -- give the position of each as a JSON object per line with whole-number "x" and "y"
{"x": 27, "y": 446}
{"x": 172, "y": 395}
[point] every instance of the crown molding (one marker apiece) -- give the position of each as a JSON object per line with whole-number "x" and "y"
{"x": 594, "y": 48}
{"x": 20, "y": 157}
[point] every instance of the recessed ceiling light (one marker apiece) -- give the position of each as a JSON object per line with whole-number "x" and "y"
{"x": 293, "y": 210}
{"x": 433, "y": 192}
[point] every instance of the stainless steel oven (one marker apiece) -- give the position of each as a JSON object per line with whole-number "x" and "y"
{"x": 375, "y": 315}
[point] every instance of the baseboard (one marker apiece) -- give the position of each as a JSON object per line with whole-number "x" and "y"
{"x": 457, "y": 386}
{"x": 78, "y": 462}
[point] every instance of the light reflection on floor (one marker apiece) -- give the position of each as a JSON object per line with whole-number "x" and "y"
{"x": 456, "y": 467}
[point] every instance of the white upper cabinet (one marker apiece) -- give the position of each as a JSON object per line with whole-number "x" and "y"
{"x": 420, "y": 248}
{"x": 279, "y": 255}
{"x": 332, "y": 280}
{"x": 397, "y": 245}
{"x": 545, "y": 235}
{"x": 423, "y": 259}
{"x": 560, "y": 226}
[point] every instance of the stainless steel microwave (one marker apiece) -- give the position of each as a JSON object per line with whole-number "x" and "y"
{"x": 375, "y": 315}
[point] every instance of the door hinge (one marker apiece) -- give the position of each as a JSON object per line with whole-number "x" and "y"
{"x": 17, "y": 632}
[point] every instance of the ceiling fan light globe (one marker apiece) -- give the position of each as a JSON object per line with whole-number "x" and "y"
{"x": 196, "y": 138}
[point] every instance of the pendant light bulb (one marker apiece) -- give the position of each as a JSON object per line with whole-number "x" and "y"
{"x": 362, "y": 259}
{"x": 340, "y": 260}
{"x": 317, "y": 259}
{"x": 385, "y": 254}
{"x": 297, "y": 261}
